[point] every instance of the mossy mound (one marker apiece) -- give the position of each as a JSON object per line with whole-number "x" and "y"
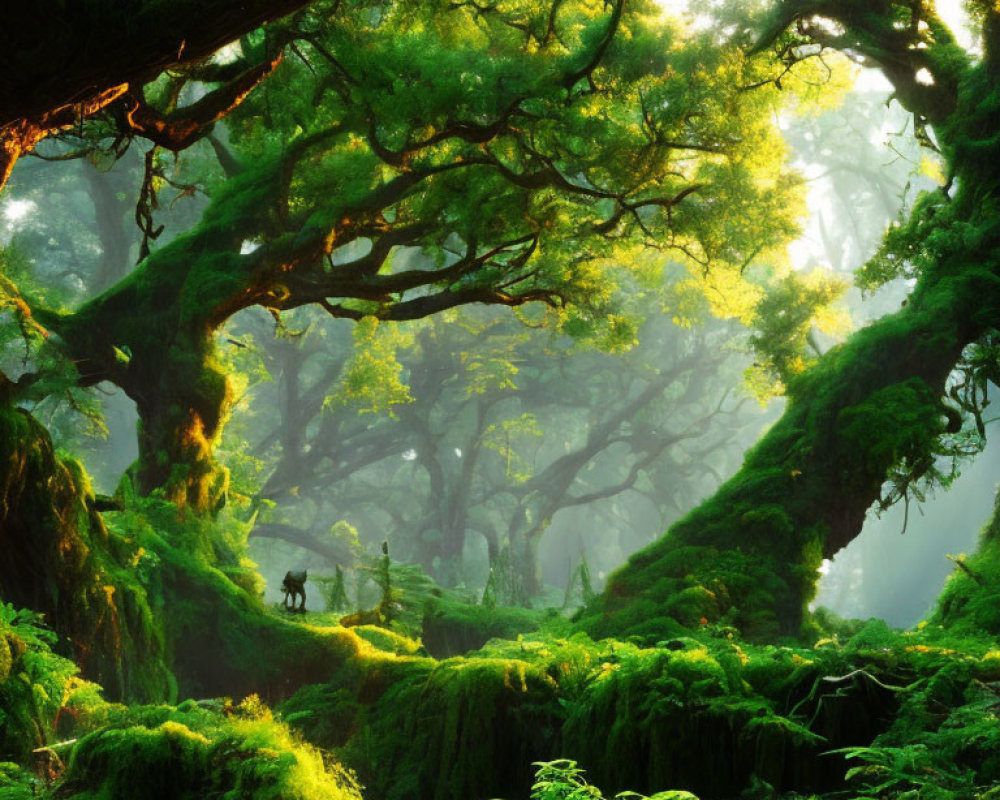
{"x": 192, "y": 752}
{"x": 60, "y": 738}
{"x": 636, "y": 717}
{"x": 219, "y": 637}
{"x": 159, "y": 603}
{"x": 459, "y": 728}
{"x": 944, "y": 740}
{"x": 452, "y": 627}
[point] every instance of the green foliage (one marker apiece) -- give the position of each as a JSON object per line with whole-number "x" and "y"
{"x": 35, "y": 685}
{"x": 942, "y": 743}
{"x": 912, "y": 246}
{"x": 579, "y": 590}
{"x": 194, "y": 752}
{"x": 327, "y": 715}
{"x": 333, "y": 590}
{"x": 451, "y": 626}
{"x": 969, "y": 604}
{"x": 783, "y": 338}
{"x": 780, "y": 719}
{"x": 371, "y": 379}
{"x": 563, "y": 780}
{"x": 18, "y": 783}
{"x": 205, "y": 594}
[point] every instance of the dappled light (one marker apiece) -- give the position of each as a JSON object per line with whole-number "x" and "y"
{"x": 549, "y": 399}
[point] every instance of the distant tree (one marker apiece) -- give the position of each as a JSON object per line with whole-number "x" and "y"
{"x": 503, "y": 429}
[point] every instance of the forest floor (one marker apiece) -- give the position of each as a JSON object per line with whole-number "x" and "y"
{"x": 862, "y": 712}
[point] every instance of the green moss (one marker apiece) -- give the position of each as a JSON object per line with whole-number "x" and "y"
{"x": 451, "y": 627}
{"x": 969, "y": 604}
{"x": 327, "y": 715}
{"x": 388, "y": 641}
{"x": 193, "y": 752}
{"x": 637, "y": 717}
{"x": 219, "y": 638}
{"x": 454, "y": 730}
{"x": 17, "y": 783}
{"x": 60, "y": 560}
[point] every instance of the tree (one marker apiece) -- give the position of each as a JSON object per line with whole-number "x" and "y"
{"x": 501, "y": 429}
{"x": 102, "y": 63}
{"x": 886, "y": 405}
{"x": 526, "y": 151}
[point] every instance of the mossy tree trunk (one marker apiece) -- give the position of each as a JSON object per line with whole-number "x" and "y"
{"x": 61, "y": 561}
{"x": 151, "y": 335}
{"x": 749, "y": 555}
{"x": 181, "y": 418}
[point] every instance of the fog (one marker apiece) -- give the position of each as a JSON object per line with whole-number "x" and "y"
{"x": 467, "y": 469}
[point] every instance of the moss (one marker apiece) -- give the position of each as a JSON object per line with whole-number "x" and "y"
{"x": 60, "y": 560}
{"x": 453, "y": 730}
{"x": 327, "y": 715}
{"x": 153, "y": 606}
{"x": 17, "y": 783}
{"x": 194, "y": 752}
{"x": 219, "y": 638}
{"x": 389, "y": 641}
{"x": 452, "y": 627}
{"x": 638, "y": 717}
{"x": 969, "y": 604}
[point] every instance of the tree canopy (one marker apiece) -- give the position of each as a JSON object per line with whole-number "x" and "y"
{"x": 528, "y": 152}
{"x": 451, "y": 269}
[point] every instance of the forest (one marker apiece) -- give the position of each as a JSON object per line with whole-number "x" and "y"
{"x": 499, "y": 399}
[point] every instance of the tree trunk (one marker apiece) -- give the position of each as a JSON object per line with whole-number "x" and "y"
{"x": 110, "y": 193}
{"x": 749, "y": 555}
{"x": 181, "y": 411}
{"x": 148, "y": 336}
{"x": 59, "y": 560}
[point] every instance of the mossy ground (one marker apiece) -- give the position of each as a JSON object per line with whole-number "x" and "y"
{"x": 707, "y": 713}
{"x": 862, "y": 712}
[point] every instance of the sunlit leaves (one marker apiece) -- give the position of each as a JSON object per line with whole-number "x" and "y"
{"x": 506, "y": 438}
{"x": 372, "y": 378}
{"x": 526, "y": 126}
{"x": 785, "y": 320}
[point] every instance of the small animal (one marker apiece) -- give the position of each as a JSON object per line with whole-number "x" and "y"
{"x": 294, "y": 585}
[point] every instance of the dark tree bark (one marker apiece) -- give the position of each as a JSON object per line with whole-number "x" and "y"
{"x": 66, "y": 61}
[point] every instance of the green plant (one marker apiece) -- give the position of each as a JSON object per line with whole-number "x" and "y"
{"x": 563, "y": 779}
